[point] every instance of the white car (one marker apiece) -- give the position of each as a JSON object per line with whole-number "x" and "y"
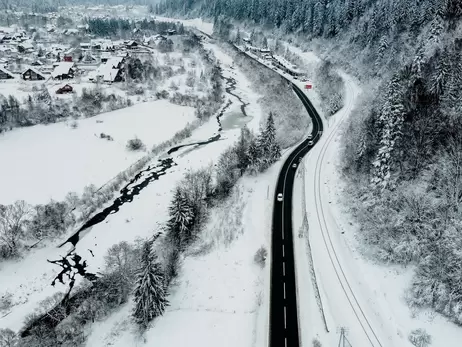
{"x": 310, "y": 136}
{"x": 310, "y": 143}
{"x": 280, "y": 197}
{"x": 294, "y": 165}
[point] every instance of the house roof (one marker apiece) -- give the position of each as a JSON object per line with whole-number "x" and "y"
{"x": 62, "y": 68}
{"x": 2, "y": 69}
{"x": 26, "y": 45}
{"x": 114, "y": 61}
{"x": 33, "y": 70}
{"x": 106, "y": 72}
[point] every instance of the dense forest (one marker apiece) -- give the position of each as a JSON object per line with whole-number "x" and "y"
{"x": 403, "y": 146}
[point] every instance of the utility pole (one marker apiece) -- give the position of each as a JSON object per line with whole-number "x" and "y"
{"x": 343, "y": 342}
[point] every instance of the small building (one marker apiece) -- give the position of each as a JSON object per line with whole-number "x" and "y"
{"x": 171, "y": 32}
{"x": 85, "y": 45}
{"x": 5, "y": 74}
{"x": 67, "y": 58}
{"x": 63, "y": 70}
{"x": 65, "y": 89}
{"x": 265, "y": 51}
{"x": 36, "y": 63}
{"x": 25, "y": 47}
{"x": 131, "y": 45}
{"x": 107, "y": 73}
{"x": 246, "y": 40}
{"x": 32, "y": 74}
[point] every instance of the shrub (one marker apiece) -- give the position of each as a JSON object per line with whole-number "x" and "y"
{"x": 316, "y": 343}
{"x": 8, "y": 338}
{"x": 135, "y": 144}
{"x": 420, "y": 338}
{"x": 6, "y": 301}
{"x": 260, "y": 257}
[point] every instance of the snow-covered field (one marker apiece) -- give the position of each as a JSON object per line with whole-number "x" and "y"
{"x": 365, "y": 298}
{"x": 48, "y": 161}
{"x": 29, "y": 280}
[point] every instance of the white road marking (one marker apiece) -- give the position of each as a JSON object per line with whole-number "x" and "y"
{"x": 284, "y": 290}
{"x": 285, "y": 318}
{"x": 283, "y": 253}
{"x": 283, "y": 269}
{"x": 285, "y": 341}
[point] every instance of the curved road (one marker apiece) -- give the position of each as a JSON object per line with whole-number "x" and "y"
{"x": 283, "y": 297}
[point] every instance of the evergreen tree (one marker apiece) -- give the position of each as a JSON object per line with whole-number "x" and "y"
{"x": 270, "y": 147}
{"x": 181, "y": 217}
{"x": 242, "y": 148}
{"x": 150, "y": 292}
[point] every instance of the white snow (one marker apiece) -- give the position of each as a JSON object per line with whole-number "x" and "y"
{"x": 48, "y": 161}
{"x": 344, "y": 277}
{"x": 30, "y": 278}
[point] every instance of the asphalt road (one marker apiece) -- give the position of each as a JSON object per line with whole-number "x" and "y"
{"x": 284, "y": 327}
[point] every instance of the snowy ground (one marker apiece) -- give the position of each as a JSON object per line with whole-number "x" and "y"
{"x": 48, "y": 161}
{"x": 365, "y": 298}
{"x": 29, "y": 280}
{"x": 217, "y": 298}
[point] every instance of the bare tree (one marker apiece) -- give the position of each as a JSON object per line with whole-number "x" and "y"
{"x": 12, "y": 220}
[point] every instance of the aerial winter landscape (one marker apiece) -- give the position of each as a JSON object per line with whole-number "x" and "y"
{"x": 231, "y": 173}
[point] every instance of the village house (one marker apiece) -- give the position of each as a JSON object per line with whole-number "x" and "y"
{"x": 31, "y": 74}
{"x": 5, "y": 74}
{"x": 63, "y": 70}
{"x": 25, "y": 47}
{"x": 106, "y": 73}
{"x": 131, "y": 45}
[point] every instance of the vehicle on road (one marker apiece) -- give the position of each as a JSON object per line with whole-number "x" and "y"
{"x": 280, "y": 197}
{"x": 310, "y": 143}
{"x": 294, "y": 165}
{"x": 310, "y": 136}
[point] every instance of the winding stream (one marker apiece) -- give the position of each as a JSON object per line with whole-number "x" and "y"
{"x": 140, "y": 181}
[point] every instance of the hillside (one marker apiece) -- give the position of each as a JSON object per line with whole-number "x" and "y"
{"x": 402, "y": 150}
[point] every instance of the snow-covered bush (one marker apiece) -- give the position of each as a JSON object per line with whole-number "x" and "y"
{"x": 13, "y": 220}
{"x": 50, "y": 220}
{"x": 8, "y": 338}
{"x": 135, "y": 144}
{"x": 420, "y": 338}
{"x": 316, "y": 343}
{"x": 260, "y": 256}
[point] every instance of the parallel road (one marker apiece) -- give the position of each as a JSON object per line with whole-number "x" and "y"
{"x": 283, "y": 298}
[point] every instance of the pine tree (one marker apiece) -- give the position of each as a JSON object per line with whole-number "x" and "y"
{"x": 150, "y": 292}
{"x": 242, "y": 148}
{"x": 181, "y": 217}
{"x": 272, "y": 150}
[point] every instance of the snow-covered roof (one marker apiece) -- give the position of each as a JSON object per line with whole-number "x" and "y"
{"x": 106, "y": 72}
{"x": 2, "y": 69}
{"x": 114, "y": 61}
{"x": 31, "y": 68}
{"x": 26, "y": 45}
{"x": 62, "y": 68}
